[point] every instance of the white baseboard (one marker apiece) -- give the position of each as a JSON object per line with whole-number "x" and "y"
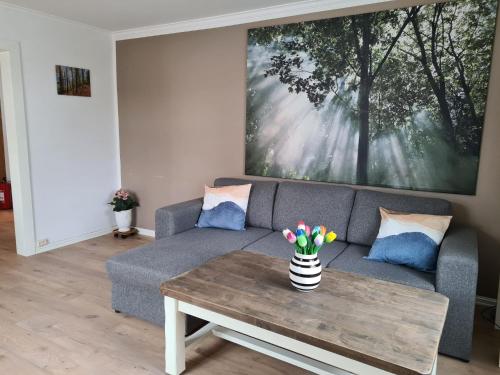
{"x": 73, "y": 240}
{"x": 485, "y": 301}
{"x": 87, "y": 236}
{"x": 146, "y": 232}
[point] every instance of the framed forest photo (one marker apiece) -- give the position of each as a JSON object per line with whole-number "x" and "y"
{"x": 73, "y": 81}
{"x": 394, "y": 98}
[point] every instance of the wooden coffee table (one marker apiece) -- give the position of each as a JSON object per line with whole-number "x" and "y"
{"x": 349, "y": 325}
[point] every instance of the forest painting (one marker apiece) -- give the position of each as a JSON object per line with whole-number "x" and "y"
{"x": 394, "y": 98}
{"x": 73, "y": 81}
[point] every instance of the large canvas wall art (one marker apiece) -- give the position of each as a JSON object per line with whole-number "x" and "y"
{"x": 394, "y": 98}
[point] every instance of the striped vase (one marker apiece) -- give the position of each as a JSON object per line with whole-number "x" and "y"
{"x": 305, "y": 272}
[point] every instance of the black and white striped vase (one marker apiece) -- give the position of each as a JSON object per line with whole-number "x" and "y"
{"x": 305, "y": 272}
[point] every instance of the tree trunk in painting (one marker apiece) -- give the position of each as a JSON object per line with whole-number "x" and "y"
{"x": 363, "y": 54}
{"x": 438, "y": 83}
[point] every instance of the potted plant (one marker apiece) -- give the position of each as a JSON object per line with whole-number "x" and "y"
{"x": 305, "y": 267}
{"x": 123, "y": 204}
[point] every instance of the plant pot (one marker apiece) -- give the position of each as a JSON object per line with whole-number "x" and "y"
{"x": 123, "y": 220}
{"x": 305, "y": 272}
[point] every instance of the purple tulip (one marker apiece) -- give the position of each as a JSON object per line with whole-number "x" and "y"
{"x": 318, "y": 241}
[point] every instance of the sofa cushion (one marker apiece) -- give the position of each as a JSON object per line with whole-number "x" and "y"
{"x": 351, "y": 260}
{"x": 275, "y": 245}
{"x": 168, "y": 257}
{"x": 316, "y": 204}
{"x": 365, "y": 217}
{"x": 261, "y": 202}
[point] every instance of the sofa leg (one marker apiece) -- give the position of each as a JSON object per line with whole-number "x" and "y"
{"x": 455, "y": 357}
{"x": 118, "y": 311}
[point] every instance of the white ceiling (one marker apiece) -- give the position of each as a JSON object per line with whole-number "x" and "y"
{"x": 117, "y": 15}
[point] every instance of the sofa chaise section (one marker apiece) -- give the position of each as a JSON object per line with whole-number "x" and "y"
{"x": 137, "y": 274}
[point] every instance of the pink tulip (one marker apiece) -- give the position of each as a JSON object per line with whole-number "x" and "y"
{"x": 308, "y": 230}
{"x": 291, "y": 238}
{"x": 301, "y": 225}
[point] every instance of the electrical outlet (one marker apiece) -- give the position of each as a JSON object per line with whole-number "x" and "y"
{"x": 43, "y": 242}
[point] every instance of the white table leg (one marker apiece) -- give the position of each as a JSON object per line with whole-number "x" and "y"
{"x": 175, "y": 328}
{"x": 434, "y": 368}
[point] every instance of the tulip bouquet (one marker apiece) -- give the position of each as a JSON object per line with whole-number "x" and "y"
{"x": 307, "y": 241}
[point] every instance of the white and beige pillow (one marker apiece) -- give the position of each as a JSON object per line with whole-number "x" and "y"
{"x": 409, "y": 239}
{"x": 225, "y": 207}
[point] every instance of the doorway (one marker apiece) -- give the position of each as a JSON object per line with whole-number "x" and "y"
{"x": 7, "y": 232}
{"x": 16, "y": 141}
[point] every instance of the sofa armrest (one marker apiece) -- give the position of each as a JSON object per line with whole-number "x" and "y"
{"x": 456, "y": 278}
{"x": 177, "y": 218}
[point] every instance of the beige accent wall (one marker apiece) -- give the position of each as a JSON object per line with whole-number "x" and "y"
{"x": 182, "y": 124}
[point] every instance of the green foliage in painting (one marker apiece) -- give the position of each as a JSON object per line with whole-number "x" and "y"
{"x": 394, "y": 98}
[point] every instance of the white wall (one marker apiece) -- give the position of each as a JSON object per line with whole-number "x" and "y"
{"x": 73, "y": 141}
{"x": 5, "y": 146}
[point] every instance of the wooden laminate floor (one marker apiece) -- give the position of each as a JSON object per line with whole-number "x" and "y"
{"x": 55, "y": 318}
{"x": 7, "y": 237}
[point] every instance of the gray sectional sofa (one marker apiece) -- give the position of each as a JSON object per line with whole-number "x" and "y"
{"x": 353, "y": 214}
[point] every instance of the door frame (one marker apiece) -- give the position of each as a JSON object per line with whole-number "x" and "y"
{"x": 14, "y": 115}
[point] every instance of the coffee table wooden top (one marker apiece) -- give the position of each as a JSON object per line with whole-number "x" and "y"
{"x": 390, "y": 326}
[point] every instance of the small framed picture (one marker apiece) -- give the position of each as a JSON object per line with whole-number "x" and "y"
{"x": 73, "y": 81}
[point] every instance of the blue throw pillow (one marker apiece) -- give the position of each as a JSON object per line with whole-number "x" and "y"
{"x": 225, "y": 207}
{"x": 409, "y": 239}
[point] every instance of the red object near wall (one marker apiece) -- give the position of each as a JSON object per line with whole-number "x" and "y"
{"x": 5, "y": 196}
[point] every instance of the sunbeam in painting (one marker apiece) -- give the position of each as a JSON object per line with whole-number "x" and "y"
{"x": 394, "y": 98}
